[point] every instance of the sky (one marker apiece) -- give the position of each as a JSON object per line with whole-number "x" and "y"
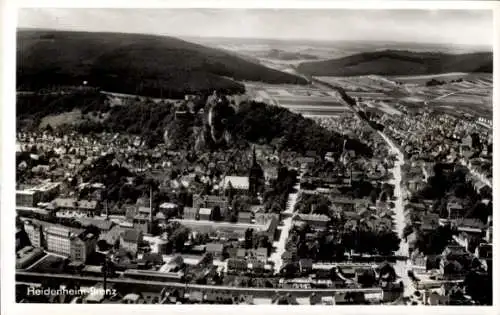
{"x": 460, "y": 27}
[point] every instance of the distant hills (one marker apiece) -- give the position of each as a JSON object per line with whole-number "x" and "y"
{"x": 395, "y": 62}
{"x": 285, "y": 55}
{"x": 133, "y": 64}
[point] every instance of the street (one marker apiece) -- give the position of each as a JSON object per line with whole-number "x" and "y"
{"x": 400, "y": 266}
{"x": 285, "y": 229}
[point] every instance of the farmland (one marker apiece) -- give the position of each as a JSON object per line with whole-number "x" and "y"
{"x": 457, "y": 93}
{"x": 308, "y": 101}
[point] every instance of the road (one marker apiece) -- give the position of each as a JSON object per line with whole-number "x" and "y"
{"x": 285, "y": 229}
{"x": 401, "y": 266}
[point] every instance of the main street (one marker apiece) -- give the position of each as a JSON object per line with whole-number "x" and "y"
{"x": 401, "y": 266}
{"x": 285, "y": 228}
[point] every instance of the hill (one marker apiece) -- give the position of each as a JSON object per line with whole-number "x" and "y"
{"x": 395, "y": 62}
{"x": 133, "y": 63}
{"x": 286, "y": 55}
{"x": 221, "y": 125}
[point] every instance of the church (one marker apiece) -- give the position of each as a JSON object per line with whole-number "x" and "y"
{"x": 256, "y": 178}
{"x": 250, "y": 185}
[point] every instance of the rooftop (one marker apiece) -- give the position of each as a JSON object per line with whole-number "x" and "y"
{"x": 238, "y": 182}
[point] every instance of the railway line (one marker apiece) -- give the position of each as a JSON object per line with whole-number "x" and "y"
{"x": 24, "y": 277}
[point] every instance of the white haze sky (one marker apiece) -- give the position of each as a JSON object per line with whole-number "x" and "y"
{"x": 468, "y": 27}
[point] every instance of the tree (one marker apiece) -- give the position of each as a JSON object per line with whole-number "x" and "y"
{"x": 387, "y": 242}
{"x": 179, "y": 237}
{"x": 216, "y": 214}
{"x": 248, "y": 238}
{"x": 479, "y": 287}
{"x": 367, "y": 278}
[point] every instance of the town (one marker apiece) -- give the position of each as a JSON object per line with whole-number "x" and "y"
{"x": 409, "y": 224}
{"x": 270, "y": 157}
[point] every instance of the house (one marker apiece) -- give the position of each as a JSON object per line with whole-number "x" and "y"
{"x": 35, "y": 233}
{"x": 430, "y": 222}
{"x": 103, "y": 225}
{"x": 453, "y": 252}
{"x": 169, "y": 209}
{"x": 244, "y": 217}
{"x": 484, "y": 251}
{"x": 239, "y": 183}
{"x": 205, "y": 214}
{"x": 455, "y": 210}
{"x": 237, "y": 264}
{"x": 211, "y": 201}
{"x": 260, "y": 254}
{"x": 143, "y": 222}
{"x": 305, "y": 265}
{"x": 316, "y": 221}
{"x": 470, "y": 226}
{"x": 152, "y": 259}
{"x": 288, "y": 257}
{"x": 190, "y": 213}
{"x": 131, "y": 239}
{"x": 216, "y": 249}
{"x": 256, "y": 266}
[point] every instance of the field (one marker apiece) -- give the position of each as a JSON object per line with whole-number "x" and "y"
{"x": 472, "y": 95}
{"x": 421, "y": 79}
{"x": 308, "y": 101}
{"x": 368, "y": 83}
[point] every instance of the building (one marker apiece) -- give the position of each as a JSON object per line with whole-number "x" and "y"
{"x": 230, "y": 230}
{"x": 103, "y": 225}
{"x": 430, "y": 222}
{"x": 455, "y": 210}
{"x": 27, "y": 256}
{"x": 205, "y": 214}
{"x": 82, "y": 246}
{"x": 211, "y": 201}
{"x": 260, "y": 254}
{"x": 143, "y": 220}
{"x": 256, "y": 179}
{"x": 305, "y": 265}
{"x": 75, "y": 244}
{"x": 240, "y": 184}
{"x": 237, "y": 264}
{"x": 316, "y": 221}
{"x": 244, "y": 217}
{"x": 131, "y": 239}
{"x": 74, "y": 206}
{"x": 27, "y": 198}
{"x": 58, "y": 239}
{"x": 47, "y": 191}
{"x": 169, "y": 209}
{"x": 216, "y": 249}
{"x": 190, "y": 213}
{"x": 35, "y": 233}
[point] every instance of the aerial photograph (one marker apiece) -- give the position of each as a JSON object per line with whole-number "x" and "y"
{"x": 254, "y": 156}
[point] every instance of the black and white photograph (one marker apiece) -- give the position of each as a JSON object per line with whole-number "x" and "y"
{"x": 253, "y": 156}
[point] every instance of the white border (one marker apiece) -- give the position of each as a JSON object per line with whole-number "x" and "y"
{"x": 7, "y": 145}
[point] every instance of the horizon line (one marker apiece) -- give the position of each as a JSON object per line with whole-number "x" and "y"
{"x": 180, "y": 36}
